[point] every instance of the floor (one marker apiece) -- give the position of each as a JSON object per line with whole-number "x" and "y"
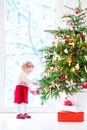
{"x": 39, "y": 121}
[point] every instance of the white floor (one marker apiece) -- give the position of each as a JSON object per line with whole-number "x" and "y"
{"x": 39, "y": 121}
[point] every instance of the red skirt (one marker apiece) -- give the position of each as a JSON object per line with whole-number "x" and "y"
{"x": 21, "y": 94}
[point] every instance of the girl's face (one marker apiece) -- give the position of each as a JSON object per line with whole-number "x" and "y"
{"x": 29, "y": 70}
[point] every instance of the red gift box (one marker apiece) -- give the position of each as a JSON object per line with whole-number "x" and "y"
{"x": 67, "y": 116}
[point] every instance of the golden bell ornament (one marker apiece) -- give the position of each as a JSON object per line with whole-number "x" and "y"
{"x": 72, "y": 70}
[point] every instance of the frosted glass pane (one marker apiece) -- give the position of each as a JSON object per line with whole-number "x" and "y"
{"x": 25, "y": 22}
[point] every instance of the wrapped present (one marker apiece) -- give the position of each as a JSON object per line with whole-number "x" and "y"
{"x": 68, "y": 103}
{"x": 68, "y": 116}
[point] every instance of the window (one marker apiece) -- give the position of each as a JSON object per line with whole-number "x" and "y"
{"x": 25, "y": 22}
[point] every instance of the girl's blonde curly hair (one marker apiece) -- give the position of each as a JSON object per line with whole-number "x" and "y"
{"x": 27, "y": 64}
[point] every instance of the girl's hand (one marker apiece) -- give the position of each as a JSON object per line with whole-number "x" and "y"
{"x": 38, "y": 91}
{"x": 33, "y": 92}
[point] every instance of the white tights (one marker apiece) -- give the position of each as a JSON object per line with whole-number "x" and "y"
{"x": 22, "y": 108}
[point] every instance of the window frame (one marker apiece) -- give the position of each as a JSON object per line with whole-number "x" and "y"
{"x": 3, "y": 108}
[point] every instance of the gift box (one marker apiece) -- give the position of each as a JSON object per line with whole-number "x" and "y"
{"x": 67, "y": 116}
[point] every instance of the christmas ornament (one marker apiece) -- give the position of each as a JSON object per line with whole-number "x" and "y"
{"x": 82, "y": 79}
{"x": 66, "y": 51}
{"x": 78, "y": 50}
{"x": 81, "y": 35}
{"x": 66, "y": 41}
{"x": 73, "y": 26}
{"x": 85, "y": 57}
{"x": 72, "y": 44}
{"x": 72, "y": 70}
{"x": 64, "y": 36}
{"x": 84, "y": 85}
{"x": 62, "y": 78}
{"x": 77, "y": 11}
{"x": 85, "y": 69}
{"x": 77, "y": 67}
{"x": 69, "y": 61}
{"x": 73, "y": 40}
{"x": 71, "y": 57}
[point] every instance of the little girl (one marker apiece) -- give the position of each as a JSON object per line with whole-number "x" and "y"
{"x": 21, "y": 90}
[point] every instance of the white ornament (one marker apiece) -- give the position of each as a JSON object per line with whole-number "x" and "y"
{"x": 77, "y": 67}
{"x": 85, "y": 69}
{"x": 66, "y": 51}
{"x": 72, "y": 44}
{"x": 85, "y": 57}
{"x": 82, "y": 79}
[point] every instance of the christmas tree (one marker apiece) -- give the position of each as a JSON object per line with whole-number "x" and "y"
{"x": 65, "y": 67}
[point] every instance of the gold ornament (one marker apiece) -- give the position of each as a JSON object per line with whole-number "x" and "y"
{"x": 72, "y": 70}
{"x": 68, "y": 62}
{"x": 66, "y": 81}
{"x": 73, "y": 40}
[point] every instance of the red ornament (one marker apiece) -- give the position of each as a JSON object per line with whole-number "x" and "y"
{"x": 81, "y": 35}
{"x": 65, "y": 37}
{"x": 78, "y": 50}
{"x": 49, "y": 69}
{"x": 62, "y": 78}
{"x": 84, "y": 85}
{"x": 71, "y": 57}
{"x": 73, "y": 26}
{"x": 77, "y": 11}
{"x": 66, "y": 41}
